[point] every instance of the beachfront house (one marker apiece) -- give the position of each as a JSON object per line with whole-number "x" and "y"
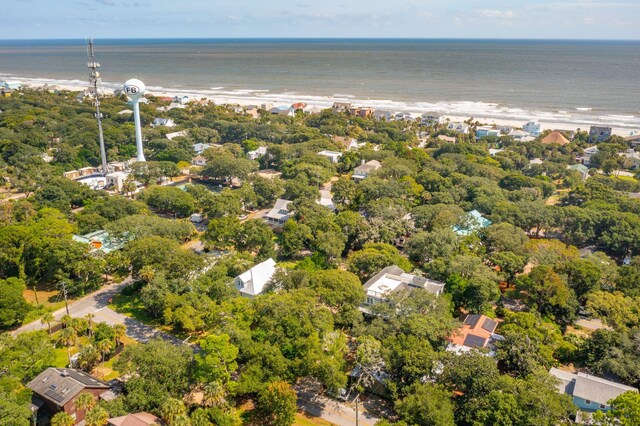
{"x": 631, "y": 159}
{"x": 458, "y": 128}
{"x": 333, "y": 156}
{"x": 251, "y": 283}
{"x": 589, "y": 393}
{"x": 392, "y": 279}
{"x": 519, "y": 135}
{"x": 403, "y": 116}
{"x": 55, "y": 390}
{"x": 165, "y": 122}
{"x": 533, "y": 128}
{"x": 365, "y": 169}
{"x": 476, "y": 332}
{"x": 599, "y": 134}
{"x": 284, "y": 110}
{"x": 634, "y": 140}
{"x": 484, "y": 131}
{"x": 340, "y": 107}
{"x": 556, "y": 138}
{"x": 279, "y": 214}
{"x": 431, "y": 119}
{"x": 382, "y": 115}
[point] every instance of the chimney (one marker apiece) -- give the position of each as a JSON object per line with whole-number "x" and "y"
{"x": 362, "y": 161}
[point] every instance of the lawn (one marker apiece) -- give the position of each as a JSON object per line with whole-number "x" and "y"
{"x": 303, "y": 419}
{"x": 132, "y": 307}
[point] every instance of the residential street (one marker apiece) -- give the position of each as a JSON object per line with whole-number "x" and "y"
{"x": 96, "y": 303}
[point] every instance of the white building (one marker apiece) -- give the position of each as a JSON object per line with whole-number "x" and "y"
{"x": 431, "y": 119}
{"x": 459, "y": 128}
{"x": 199, "y": 160}
{"x": 393, "y": 278}
{"x": 364, "y": 170}
{"x": 333, "y": 156}
{"x": 254, "y": 155}
{"x": 252, "y": 282}
{"x": 116, "y": 180}
{"x": 483, "y": 132}
{"x": 518, "y": 135}
{"x": 533, "y": 128}
{"x": 347, "y": 143}
{"x": 279, "y": 214}
{"x": 166, "y": 122}
{"x": 180, "y": 134}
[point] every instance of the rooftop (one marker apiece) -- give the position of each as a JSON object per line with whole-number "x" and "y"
{"x": 137, "y": 419}
{"x": 252, "y": 282}
{"x": 61, "y": 385}
{"x": 589, "y": 387}
{"x": 393, "y": 278}
{"x": 555, "y": 137}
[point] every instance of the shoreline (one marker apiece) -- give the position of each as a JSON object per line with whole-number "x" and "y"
{"x": 494, "y": 114}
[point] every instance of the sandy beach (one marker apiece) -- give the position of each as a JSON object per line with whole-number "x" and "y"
{"x": 259, "y": 97}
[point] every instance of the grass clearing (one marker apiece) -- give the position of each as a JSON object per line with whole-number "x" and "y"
{"x": 304, "y": 419}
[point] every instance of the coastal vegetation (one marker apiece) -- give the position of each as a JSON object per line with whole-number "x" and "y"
{"x": 556, "y": 247}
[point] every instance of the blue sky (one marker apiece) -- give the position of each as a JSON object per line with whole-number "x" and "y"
{"x": 572, "y": 19}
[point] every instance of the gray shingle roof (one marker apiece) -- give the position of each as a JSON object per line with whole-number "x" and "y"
{"x": 61, "y": 385}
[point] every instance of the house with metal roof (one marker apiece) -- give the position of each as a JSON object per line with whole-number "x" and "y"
{"x": 476, "y": 332}
{"x": 252, "y": 282}
{"x": 101, "y": 240}
{"x": 364, "y": 170}
{"x": 56, "y": 389}
{"x": 470, "y": 223}
{"x": 599, "y": 133}
{"x": 392, "y": 279}
{"x": 279, "y": 214}
{"x": 589, "y": 393}
{"x": 580, "y": 168}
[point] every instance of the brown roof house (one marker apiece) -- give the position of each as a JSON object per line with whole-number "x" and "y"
{"x": 477, "y": 332}
{"x": 555, "y": 137}
{"x": 136, "y": 419}
{"x": 56, "y": 389}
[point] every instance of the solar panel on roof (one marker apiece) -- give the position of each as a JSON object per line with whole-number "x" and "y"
{"x": 471, "y": 320}
{"x": 474, "y": 341}
{"x": 489, "y": 325}
{"x": 54, "y": 395}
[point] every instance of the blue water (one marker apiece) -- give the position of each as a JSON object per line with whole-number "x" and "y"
{"x": 577, "y": 81}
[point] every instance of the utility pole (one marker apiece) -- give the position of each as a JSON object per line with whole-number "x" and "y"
{"x": 35, "y": 294}
{"x": 64, "y": 293}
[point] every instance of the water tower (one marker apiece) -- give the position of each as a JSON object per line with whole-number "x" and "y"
{"x": 134, "y": 89}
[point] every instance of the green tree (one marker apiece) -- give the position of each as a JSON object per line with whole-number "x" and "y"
{"x": 171, "y": 410}
{"x": 426, "y": 404}
{"x": 13, "y": 307}
{"x": 424, "y": 247}
{"x": 62, "y": 419}
{"x": 625, "y": 409}
{"x": 85, "y": 401}
{"x": 217, "y": 361}
{"x": 48, "y": 319}
{"x": 277, "y": 404}
{"x": 98, "y": 416}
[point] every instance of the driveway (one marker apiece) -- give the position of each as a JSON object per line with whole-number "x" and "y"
{"x": 96, "y": 303}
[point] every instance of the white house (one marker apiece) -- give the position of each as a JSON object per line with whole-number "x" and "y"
{"x": 518, "y": 135}
{"x": 431, "y": 119}
{"x": 631, "y": 159}
{"x": 393, "y": 278}
{"x": 279, "y": 214}
{"x": 459, "y": 128}
{"x": 166, "y": 122}
{"x": 333, "y": 156}
{"x": 403, "y": 116}
{"x": 347, "y": 143}
{"x": 364, "y": 170}
{"x": 180, "y": 134}
{"x": 116, "y": 180}
{"x": 533, "y": 128}
{"x": 199, "y": 160}
{"x": 199, "y": 148}
{"x": 285, "y": 110}
{"x": 483, "y": 132}
{"x": 252, "y": 282}
{"x": 382, "y": 115}
{"x": 254, "y": 155}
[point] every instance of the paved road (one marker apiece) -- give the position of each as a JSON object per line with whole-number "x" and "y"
{"x": 96, "y": 303}
{"x": 331, "y": 410}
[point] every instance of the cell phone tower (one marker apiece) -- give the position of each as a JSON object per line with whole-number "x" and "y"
{"x": 94, "y": 80}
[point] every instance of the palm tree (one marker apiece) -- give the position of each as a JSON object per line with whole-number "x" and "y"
{"x": 104, "y": 346}
{"x": 214, "y": 394}
{"x": 62, "y": 419}
{"x": 48, "y": 319}
{"x": 68, "y": 338}
{"x": 96, "y": 417}
{"x": 172, "y": 409}
{"x": 119, "y": 330}
{"x": 85, "y": 401}
{"x": 89, "y": 317}
{"x": 66, "y": 320}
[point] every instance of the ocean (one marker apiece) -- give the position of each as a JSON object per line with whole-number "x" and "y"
{"x": 578, "y": 82}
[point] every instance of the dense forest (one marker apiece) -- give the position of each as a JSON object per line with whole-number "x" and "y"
{"x": 558, "y": 248}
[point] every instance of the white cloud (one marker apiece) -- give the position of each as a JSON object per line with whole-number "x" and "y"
{"x": 497, "y": 14}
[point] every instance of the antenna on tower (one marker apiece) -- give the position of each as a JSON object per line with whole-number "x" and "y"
{"x": 94, "y": 80}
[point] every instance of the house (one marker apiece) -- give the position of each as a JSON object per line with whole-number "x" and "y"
{"x": 471, "y": 222}
{"x": 445, "y": 138}
{"x": 634, "y": 140}
{"x": 257, "y": 153}
{"x": 333, "y": 156}
{"x": 599, "y": 133}
{"x": 365, "y": 169}
{"x": 476, "y": 332}
{"x": 581, "y": 169}
{"x": 299, "y": 106}
{"x": 116, "y": 180}
{"x": 587, "y": 154}
{"x": 533, "y": 128}
{"x": 10, "y": 85}
{"x": 631, "y": 160}
{"x": 483, "y": 132}
{"x": 382, "y": 115}
{"x": 458, "y": 127}
{"x": 136, "y": 419}
{"x": 339, "y": 107}
{"x": 347, "y": 143}
{"x": 518, "y": 135}
{"x": 199, "y": 160}
{"x": 589, "y": 393}
{"x": 284, "y": 110}
{"x": 199, "y": 148}
{"x": 393, "y": 278}
{"x": 535, "y": 162}
{"x": 365, "y": 112}
{"x": 555, "y": 137}
{"x": 252, "y": 282}
{"x": 166, "y": 122}
{"x": 312, "y": 109}
{"x": 403, "y": 116}
{"x": 125, "y": 112}
{"x": 180, "y": 134}
{"x": 494, "y": 151}
{"x": 100, "y": 240}
{"x": 56, "y": 389}
{"x": 279, "y": 214}
{"x": 431, "y": 119}
{"x": 326, "y": 199}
